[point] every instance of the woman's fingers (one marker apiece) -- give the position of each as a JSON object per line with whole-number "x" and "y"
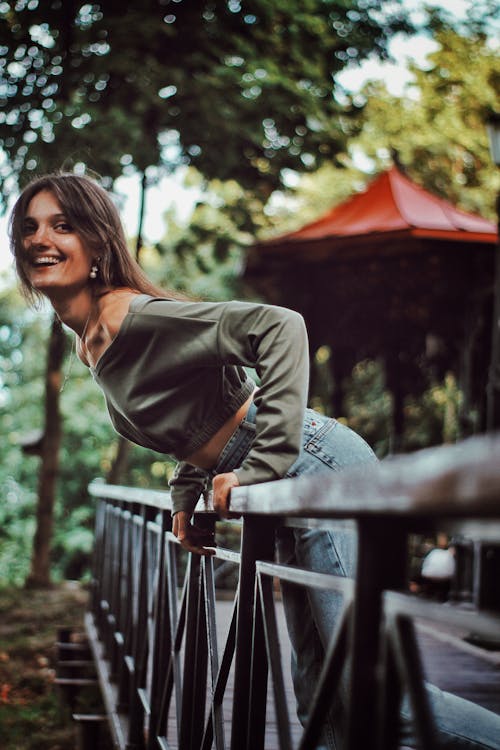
{"x": 222, "y": 485}
{"x": 192, "y": 538}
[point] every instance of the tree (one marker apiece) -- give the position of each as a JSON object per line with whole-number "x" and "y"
{"x": 234, "y": 91}
{"x": 437, "y": 130}
{"x": 238, "y": 91}
{"x": 49, "y": 452}
{"x": 204, "y": 257}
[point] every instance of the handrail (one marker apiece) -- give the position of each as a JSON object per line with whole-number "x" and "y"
{"x": 163, "y": 678}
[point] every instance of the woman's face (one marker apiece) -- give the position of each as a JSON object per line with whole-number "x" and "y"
{"x": 55, "y": 256}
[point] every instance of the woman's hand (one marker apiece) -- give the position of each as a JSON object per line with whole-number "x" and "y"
{"x": 222, "y": 485}
{"x": 191, "y": 537}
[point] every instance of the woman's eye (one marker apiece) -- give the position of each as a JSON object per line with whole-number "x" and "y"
{"x": 62, "y": 226}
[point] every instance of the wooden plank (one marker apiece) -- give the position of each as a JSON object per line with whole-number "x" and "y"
{"x": 448, "y": 481}
{"x": 454, "y": 666}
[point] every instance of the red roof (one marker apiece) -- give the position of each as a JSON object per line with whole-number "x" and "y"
{"x": 392, "y": 203}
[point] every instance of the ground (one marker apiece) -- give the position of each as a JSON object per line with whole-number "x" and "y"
{"x": 33, "y": 715}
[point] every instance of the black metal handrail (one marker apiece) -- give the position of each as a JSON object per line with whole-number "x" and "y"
{"x": 160, "y": 668}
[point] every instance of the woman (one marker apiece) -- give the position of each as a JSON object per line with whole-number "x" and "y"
{"x": 172, "y": 374}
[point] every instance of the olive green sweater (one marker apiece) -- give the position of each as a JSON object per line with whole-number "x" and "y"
{"x": 174, "y": 374}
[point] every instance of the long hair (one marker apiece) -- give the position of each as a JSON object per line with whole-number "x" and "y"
{"x": 94, "y": 217}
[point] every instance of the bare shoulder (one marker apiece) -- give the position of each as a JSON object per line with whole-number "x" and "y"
{"x": 114, "y": 307}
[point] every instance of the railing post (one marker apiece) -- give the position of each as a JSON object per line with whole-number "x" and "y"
{"x": 250, "y": 686}
{"x": 195, "y": 661}
{"x": 124, "y": 636}
{"x": 98, "y": 555}
{"x": 136, "y": 737}
{"x": 114, "y": 613}
{"x": 382, "y": 561}
{"x": 162, "y": 640}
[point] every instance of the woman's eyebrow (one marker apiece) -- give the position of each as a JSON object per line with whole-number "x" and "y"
{"x": 52, "y": 217}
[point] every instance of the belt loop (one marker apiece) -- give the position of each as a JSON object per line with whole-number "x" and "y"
{"x": 250, "y": 415}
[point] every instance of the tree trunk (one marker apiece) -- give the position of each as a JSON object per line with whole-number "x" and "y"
{"x": 40, "y": 559}
{"x": 142, "y": 209}
{"x": 120, "y": 462}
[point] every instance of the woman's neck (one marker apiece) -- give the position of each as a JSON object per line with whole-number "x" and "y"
{"x": 75, "y": 312}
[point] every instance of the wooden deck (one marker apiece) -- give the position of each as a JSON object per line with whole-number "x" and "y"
{"x": 458, "y": 667}
{"x": 449, "y": 662}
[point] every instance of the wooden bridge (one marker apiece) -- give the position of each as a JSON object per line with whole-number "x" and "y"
{"x": 179, "y": 668}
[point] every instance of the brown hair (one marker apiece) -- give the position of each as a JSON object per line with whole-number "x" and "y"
{"x": 93, "y": 215}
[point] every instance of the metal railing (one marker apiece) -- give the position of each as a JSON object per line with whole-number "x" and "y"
{"x": 163, "y": 673}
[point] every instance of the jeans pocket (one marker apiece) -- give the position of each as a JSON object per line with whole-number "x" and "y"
{"x": 321, "y": 445}
{"x": 316, "y": 454}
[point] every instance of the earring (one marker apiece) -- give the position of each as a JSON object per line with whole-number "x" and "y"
{"x": 94, "y": 270}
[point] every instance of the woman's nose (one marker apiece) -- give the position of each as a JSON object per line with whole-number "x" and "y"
{"x": 40, "y": 236}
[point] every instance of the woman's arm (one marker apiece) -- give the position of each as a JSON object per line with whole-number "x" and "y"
{"x": 187, "y": 484}
{"x": 273, "y": 340}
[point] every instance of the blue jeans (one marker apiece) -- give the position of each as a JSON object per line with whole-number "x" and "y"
{"x": 312, "y": 614}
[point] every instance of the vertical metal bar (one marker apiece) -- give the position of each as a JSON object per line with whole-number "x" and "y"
{"x": 190, "y": 654}
{"x": 201, "y": 672}
{"x": 390, "y": 692}
{"x": 140, "y": 639}
{"x": 177, "y": 624}
{"x": 114, "y": 651}
{"x": 125, "y": 584}
{"x": 97, "y": 557}
{"x": 161, "y": 643}
{"x": 381, "y": 565}
{"x": 267, "y": 616}
{"x": 222, "y": 676}
{"x": 173, "y": 677}
{"x": 257, "y": 542}
{"x": 329, "y": 681}
{"x": 410, "y": 667}
{"x": 217, "y": 720}
{"x": 107, "y": 556}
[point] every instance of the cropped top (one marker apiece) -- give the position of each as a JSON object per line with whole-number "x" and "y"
{"x": 174, "y": 374}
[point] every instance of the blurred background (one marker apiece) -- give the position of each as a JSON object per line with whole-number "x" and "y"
{"x": 220, "y": 127}
{"x": 328, "y": 155}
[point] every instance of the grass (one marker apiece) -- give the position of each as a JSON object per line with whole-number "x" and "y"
{"x": 33, "y": 715}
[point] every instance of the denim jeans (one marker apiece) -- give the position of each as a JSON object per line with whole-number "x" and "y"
{"x": 312, "y": 614}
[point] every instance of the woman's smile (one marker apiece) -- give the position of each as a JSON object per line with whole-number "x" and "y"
{"x": 56, "y": 255}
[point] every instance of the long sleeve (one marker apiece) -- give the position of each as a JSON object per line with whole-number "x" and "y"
{"x": 174, "y": 375}
{"x": 186, "y": 485}
{"x": 274, "y": 341}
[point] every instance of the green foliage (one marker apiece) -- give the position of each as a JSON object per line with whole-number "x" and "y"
{"x": 435, "y": 417}
{"x": 239, "y": 92}
{"x": 435, "y": 131}
{"x": 17, "y": 526}
{"x": 368, "y": 406}
{"x": 430, "y": 419}
{"x": 204, "y": 258}
{"x": 245, "y": 98}
{"x": 438, "y": 128}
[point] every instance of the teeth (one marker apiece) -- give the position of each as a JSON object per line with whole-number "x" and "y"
{"x": 46, "y": 260}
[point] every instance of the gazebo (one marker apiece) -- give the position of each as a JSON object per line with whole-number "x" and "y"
{"x": 396, "y": 274}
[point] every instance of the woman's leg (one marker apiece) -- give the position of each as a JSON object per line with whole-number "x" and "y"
{"x": 312, "y": 615}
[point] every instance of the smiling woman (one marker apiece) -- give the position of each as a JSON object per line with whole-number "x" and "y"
{"x": 173, "y": 372}
{"x": 56, "y": 261}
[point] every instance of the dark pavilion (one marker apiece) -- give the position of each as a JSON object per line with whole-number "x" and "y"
{"x": 394, "y": 274}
